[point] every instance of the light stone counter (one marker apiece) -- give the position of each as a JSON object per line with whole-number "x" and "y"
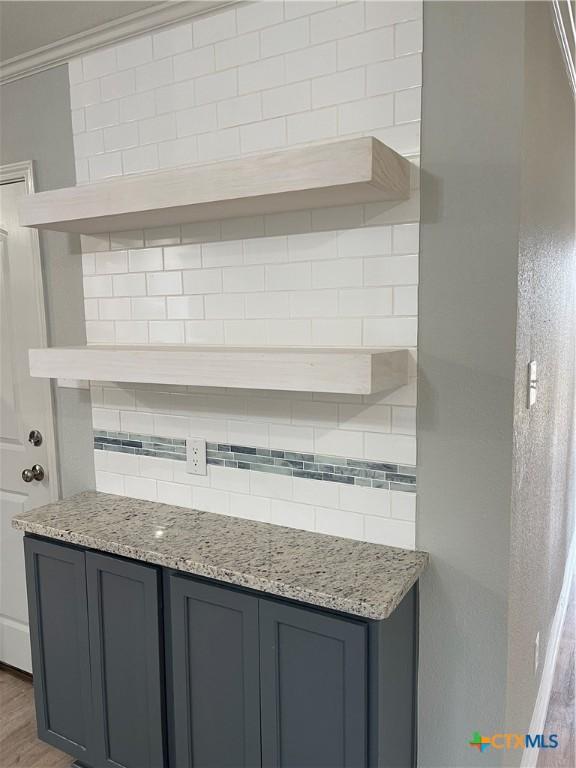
{"x": 367, "y": 580}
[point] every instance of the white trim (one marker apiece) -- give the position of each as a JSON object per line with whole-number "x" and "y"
{"x": 538, "y": 722}
{"x": 24, "y": 171}
{"x": 137, "y": 23}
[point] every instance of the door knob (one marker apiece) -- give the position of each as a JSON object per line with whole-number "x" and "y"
{"x": 34, "y": 473}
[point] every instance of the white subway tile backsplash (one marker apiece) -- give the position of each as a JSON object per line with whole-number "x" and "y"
{"x": 386, "y": 12}
{"x": 214, "y": 27}
{"x": 145, "y": 259}
{"x": 114, "y": 309}
{"x": 184, "y": 307}
{"x": 154, "y": 75}
{"x": 367, "y": 501}
{"x": 292, "y": 515}
{"x": 408, "y": 37}
{"x": 259, "y": 15}
{"x": 99, "y": 63}
{"x": 100, "y": 332}
{"x": 156, "y": 129}
{"x": 171, "y": 41}
{"x": 407, "y": 105}
{"x": 403, "y": 506}
{"x": 216, "y": 87}
{"x": 174, "y": 493}
{"x": 390, "y": 331}
{"x": 174, "y": 97}
{"x": 365, "y": 302}
{"x": 406, "y": 300}
{"x": 391, "y": 447}
{"x": 267, "y": 305}
{"x": 136, "y": 107}
{"x": 267, "y": 134}
{"x": 164, "y": 283}
{"x": 391, "y": 270}
{"x": 203, "y": 281}
{"x": 118, "y": 85}
{"x": 131, "y": 332}
{"x": 129, "y": 285}
{"x": 337, "y": 522}
{"x": 310, "y": 62}
{"x": 289, "y": 36}
{"x": 89, "y": 144}
{"x": 337, "y": 273}
{"x": 394, "y": 75}
{"x": 342, "y": 21}
{"x": 219, "y": 145}
{"x": 404, "y": 420}
{"x": 269, "y": 73}
{"x": 238, "y": 50}
{"x": 286, "y": 100}
{"x": 188, "y": 66}
{"x": 368, "y": 114}
{"x": 307, "y": 303}
{"x": 105, "y": 166}
{"x": 84, "y": 94}
{"x": 204, "y": 332}
{"x": 337, "y": 442}
{"x": 395, "y": 533}
{"x": 312, "y": 126}
{"x": 153, "y": 308}
{"x": 283, "y": 277}
{"x": 243, "y": 109}
{"x": 338, "y": 88}
{"x": 97, "y": 286}
{"x": 120, "y": 136}
{"x": 140, "y": 159}
{"x": 220, "y": 306}
{"x": 366, "y": 48}
{"x": 337, "y": 332}
{"x": 134, "y": 52}
{"x": 167, "y": 332}
{"x": 101, "y": 115}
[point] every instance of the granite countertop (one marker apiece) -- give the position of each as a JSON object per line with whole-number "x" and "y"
{"x": 367, "y": 580}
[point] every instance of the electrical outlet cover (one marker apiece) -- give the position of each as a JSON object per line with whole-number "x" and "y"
{"x": 196, "y": 455}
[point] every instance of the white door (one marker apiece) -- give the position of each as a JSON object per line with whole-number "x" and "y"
{"x": 25, "y": 405}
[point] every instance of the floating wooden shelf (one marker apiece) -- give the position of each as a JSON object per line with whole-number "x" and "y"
{"x": 355, "y": 371}
{"x": 317, "y": 176}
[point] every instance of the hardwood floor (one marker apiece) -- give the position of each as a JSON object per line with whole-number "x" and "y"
{"x": 19, "y": 747}
{"x": 561, "y": 709}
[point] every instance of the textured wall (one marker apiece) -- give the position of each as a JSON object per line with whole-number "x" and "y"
{"x": 248, "y": 79}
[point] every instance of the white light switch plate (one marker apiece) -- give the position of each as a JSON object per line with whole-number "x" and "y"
{"x": 196, "y": 455}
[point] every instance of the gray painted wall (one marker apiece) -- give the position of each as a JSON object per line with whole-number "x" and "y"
{"x": 543, "y": 490}
{"x": 35, "y": 125}
{"x": 494, "y": 103}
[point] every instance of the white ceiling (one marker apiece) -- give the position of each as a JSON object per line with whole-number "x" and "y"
{"x": 26, "y": 26}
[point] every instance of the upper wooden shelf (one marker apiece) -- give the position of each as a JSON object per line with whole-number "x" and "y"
{"x": 317, "y": 176}
{"x": 354, "y": 371}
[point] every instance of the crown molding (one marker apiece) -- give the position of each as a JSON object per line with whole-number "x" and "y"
{"x": 161, "y": 15}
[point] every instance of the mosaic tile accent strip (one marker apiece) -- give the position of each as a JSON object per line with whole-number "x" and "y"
{"x": 312, "y": 466}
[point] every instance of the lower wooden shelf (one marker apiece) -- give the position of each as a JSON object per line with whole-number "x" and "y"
{"x": 311, "y": 369}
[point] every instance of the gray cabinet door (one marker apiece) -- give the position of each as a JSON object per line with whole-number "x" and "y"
{"x": 313, "y": 688}
{"x": 56, "y": 582}
{"x": 214, "y": 680}
{"x": 127, "y": 680}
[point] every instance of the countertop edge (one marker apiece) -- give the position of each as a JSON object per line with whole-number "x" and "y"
{"x": 355, "y": 608}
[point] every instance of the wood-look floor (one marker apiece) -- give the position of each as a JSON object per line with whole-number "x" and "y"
{"x": 19, "y": 747}
{"x": 561, "y": 715}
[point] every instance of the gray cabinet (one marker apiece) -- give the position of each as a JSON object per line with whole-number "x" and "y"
{"x": 126, "y": 663}
{"x": 314, "y": 688}
{"x": 56, "y": 582}
{"x": 214, "y": 675}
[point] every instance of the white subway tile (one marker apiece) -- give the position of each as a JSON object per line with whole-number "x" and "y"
{"x": 93, "y": 243}
{"x": 312, "y": 126}
{"x": 266, "y": 134}
{"x": 117, "y": 85}
{"x": 365, "y": 302}
{"x": 145, "y": 259}
{"x": 114, "y": 309}
{"x": 118, "y": 397}
{"x": 317, "y": 492}
{"x": 185, "y": 307}
{"x": 260, "y": 75}
{"x": 140, "y": 488}
{"x": 129, "y": 285}
{"x": 367, "y": 418}
{"x": 216, "y": 87}
{"x": 78, "y": 121}
{"x": 131, "y": 332}
{"x": 182, "y": 257}
{"x": 408, "y": 37}
{"x": 157, "y": 469}
{"x": 337, "y": 273}
{"x": 286, "y": 277}
{"x": 265, "y": 250}
{"x": 164, "y": 283}
{"x": 368, "y": 48}
{"x": 121, "y": 136}
{"x": 171, "y": 41}
{"x": 134, "y": 52}
{"x": 136, "y": 107}
{"x": 100, "y": 332}
{"x": 311, "y": 412}
{"x": 403, "y": 420}
{"x": 227, "y": 479}
{"x": 219, "y": 306}
{"x": 244, "y": 333}
{"x": 269, "y": 409}
{"x": 154, "y": 75}
{"x": 171, "y": 426}
{"x": 224, "y": 254}
{"x": 101, "y": 115}
{"x": 214, "y": 27}
{"x": 405, "y": 395}
{"x": 406, "y": 238}
{"x": 88, "y": 144}
{"x": 167, "y": 332}
{"x": 82, "y": 168}
{"x": 386, "y": 12}
{"x": 366, "y": 114}
{"x": 391, "y": 447}
{"x": 238, "y": 50}
{"x": 88, "y": 263}
{"x": 394, "y": 75}
{"x": 243, "y": 109}
{"x": 296, "y": 8}
{"x": 174, "y": 493}
{"x": 366, "y": 501}
{"x": 391, "y": 270}
{"x": 241, "y": 227}
{"x": 178, "y": 152}
{"x": 266, "y": 305}
{"x": 158, "y": 236}
{"x": 140, "y": 159}
{"x": 203, "y": 281}
{"x": 366, "y": 241}
{"x": 287, "y": 100}
{"x": 314, "y": 303}
{"x": 311, "y": 62}
{"x": 337, "y": 442}
{"x": 249, "y": 507}
{"x": 249, "y": 433}
{"x": 404, "y": 139}
{"x": 339, "y": 87}
{"x": 219, "y": 144}
{"x": 337, "y": 522}
{"x": 153, "y": 308}
{"x": 155, "y": 129}
{"x": 288, "y": 223}
{"x": 403, "y": 506}
{"x": 109, "y": 482}
{"x": 391, "y": 332}
{"x": 211, "y": 500}
{"x": 105, "y": 418}
{"x": 200, "y": 232}
{"x": 204, "y": 332}
{"x": 342, "y": 21}
{"x": 285, "y": 37}
{"x": 97, "y": 286}
{"x": 99, "y": 63}
{"x": 311, "y": 246}
{"x": 407, "y": 105}
{"x": 337, "y": 332}
{"x": 259, "y": 15}
{"x": 406, "y": 300}
{"x": 85, "y": 94}
{"x": 393, "y": 533}
{"x": 75, "y": 71}
{"x": 188, "y": 66}
{"x": 91, "y": 309}
{"x": 293, "y": 333}
{"x": 174, "y": 97}
{"x": 338, "y": 218}
{"x": 105, "y": 166}
{"x": 292, "y": 515}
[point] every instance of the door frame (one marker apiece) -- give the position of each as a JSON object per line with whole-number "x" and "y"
{"x": 23, "y": 171}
